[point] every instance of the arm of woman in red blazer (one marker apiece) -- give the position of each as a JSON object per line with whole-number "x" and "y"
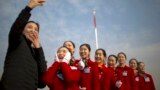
{"x": 152, "y": 83}
{"x": 95, "y": 82}
{"x": 113, "y": 80}
{"x": 69, "y": 74}
{"x": 132, "y": 80}
{"x": 106, "y": 79}
{"x": 49, "y": 74}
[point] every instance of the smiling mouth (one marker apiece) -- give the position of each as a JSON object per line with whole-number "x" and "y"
{"x": 83, "y": 54}
{"x": 97, "y": 58}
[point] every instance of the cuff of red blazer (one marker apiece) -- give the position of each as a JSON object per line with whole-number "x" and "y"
{"x": 65, "y": 61}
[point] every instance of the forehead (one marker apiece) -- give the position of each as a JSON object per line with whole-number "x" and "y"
{"x": 84, "y": 47}
{"x": 141, "y": 64}
{"x": 121, "y": 55}
{"x": 133, "y": 61}
{"x": 63, "y": 48}
{"x": 68, "y": 43}
{"x": 99, "y": 52}
{"x": 32, "y": 24}
{"x": 111, "y": 58}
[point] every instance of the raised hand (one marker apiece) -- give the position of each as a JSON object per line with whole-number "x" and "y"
{"x": 82, "y": 88}
{"x": 34, "y": 38}
{"x": 81, "y": 65}
{"x": 118, "y": 83}
{"x": 34, "y": 3}
{"x": 67, "y": 57}
{"x": 56, "y": 58}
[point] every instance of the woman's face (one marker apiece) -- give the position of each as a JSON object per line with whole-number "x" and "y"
{"x": 30, "y": 29}
{"x": 62, "y": 52}
{"x": 84, "y": 52}
{"x": 141, "y": 66}
{"x": 70, "y": 46}
{"x": 111, "y": 62}
{"x": 133, "y": 64}
{"x": 121, "y": 59}
{"x": 99, "y": 57}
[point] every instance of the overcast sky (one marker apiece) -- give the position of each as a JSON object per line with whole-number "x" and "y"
{"x": 131, "y": 26}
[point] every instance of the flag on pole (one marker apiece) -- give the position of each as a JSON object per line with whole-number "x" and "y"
{"x": 95, "y": 28}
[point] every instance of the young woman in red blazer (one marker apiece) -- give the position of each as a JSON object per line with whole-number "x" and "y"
{"x": 61, "y": 75}
{"x": 133, "y": 63}
{"x": 125, "y": 79}
{"x": 112, "y": 63}
{"x": 147, "y": 83}
{"x": 89, "y": 69}
{"x": 71, "y": 46}
{"x": 106, "y": 77}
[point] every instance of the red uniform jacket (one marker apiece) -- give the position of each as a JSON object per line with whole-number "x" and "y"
{"x": 126, "y": 75}
{"x": 106, "y": 78}
{"x": 90, "y": 76}
{"x": 61, "y": 76}
{"x": 139, "y": 81}
{"x": 114, "y": 72}
{"x": 147, "y": 83}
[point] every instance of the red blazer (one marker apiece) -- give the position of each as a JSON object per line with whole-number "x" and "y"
{"x": 106, "y": 78}
{"x": 138, "y": 81}
{"x": 126, "y": 75}
{"x": 90, "y": 76}
{"x": 61, "y": 76}
{"x": 147, "y": 83}
{"x": 115, "y": 76}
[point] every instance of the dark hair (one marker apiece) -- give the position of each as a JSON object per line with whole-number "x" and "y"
{"x": 70, "y": 42}
{"x": 104, "y": 52}
{"x": 123, "y": 54}
{"x": 87, "y": 45}
{"x": 35, "y": 23}
{"x": 133, "y": 59}
{"x": 140, "y": 63}
{"x": 112, "y": 55}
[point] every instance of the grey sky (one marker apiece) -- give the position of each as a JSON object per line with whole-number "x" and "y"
{"x": 131, "y": 26}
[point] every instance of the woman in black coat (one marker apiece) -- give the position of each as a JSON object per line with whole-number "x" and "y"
{"x": 25, "y": 62}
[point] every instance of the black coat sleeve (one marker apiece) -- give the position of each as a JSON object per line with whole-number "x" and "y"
{"x": 18, "y": 26}
{"x": 42, "y": 66}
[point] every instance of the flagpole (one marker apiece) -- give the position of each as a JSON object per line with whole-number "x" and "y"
{"x": 95, "y": 28}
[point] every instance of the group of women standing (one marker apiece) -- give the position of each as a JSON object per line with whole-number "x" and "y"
{"x": 25, "y": 65}
{"x": 102, "y": 73}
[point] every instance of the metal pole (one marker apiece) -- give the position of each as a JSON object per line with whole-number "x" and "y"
{"x": 95, "y": 28}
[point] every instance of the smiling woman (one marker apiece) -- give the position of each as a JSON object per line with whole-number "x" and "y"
{"x": 106, "y": 77}
{"x": 61, "y": 75}
{"x": 125, "y": 74}
{"x": 89, "y": 79}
